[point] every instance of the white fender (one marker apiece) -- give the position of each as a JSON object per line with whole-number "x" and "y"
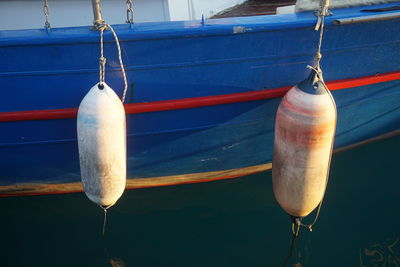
{"x": 102, "y": 145}
{"x": 304, "y": 131}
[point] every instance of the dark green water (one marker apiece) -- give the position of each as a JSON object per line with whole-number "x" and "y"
{"x": 226, "y": 223}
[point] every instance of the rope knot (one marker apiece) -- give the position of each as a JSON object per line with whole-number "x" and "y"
{"x": 99, "y": 25}
{"x": 102, "y": 61}
{"x": 317, "y": 70}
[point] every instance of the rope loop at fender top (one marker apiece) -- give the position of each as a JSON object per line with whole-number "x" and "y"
{"x": 102, "y": 59}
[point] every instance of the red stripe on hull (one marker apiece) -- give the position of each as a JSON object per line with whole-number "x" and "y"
{"x": 196, "y": 102}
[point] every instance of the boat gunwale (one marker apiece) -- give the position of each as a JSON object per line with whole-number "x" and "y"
{"x": 182, "y": 29}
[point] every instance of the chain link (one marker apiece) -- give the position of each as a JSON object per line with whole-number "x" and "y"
{"x": 46, "y": 14}
{"x": 129, "y": 12}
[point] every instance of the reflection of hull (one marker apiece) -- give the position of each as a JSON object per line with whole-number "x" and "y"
{"x": 201, "y": 97}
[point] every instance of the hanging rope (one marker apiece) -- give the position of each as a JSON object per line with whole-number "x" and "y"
{"x": 102, "y": 59}
{"x": 323, "y": 11}
{"x": 291, "y": 248}
{"x": 296, "y": 222}
{"x": 104, "y": 221}
{"x": 46, "y": 12}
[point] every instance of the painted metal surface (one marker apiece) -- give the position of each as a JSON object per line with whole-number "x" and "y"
{"x": 177, "y": 61}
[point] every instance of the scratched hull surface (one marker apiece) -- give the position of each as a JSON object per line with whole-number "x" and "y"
{"x": 185, "y": 60}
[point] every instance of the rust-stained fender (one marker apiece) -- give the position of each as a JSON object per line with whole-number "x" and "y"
{"x": 304, "y": 131}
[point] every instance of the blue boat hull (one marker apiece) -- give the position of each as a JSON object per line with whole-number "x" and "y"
{"x": 186, "y": 60}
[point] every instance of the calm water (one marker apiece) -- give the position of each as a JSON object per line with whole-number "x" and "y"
{"x": 226, "y": 223}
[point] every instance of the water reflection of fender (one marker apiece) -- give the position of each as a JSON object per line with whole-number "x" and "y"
{"x": 386, "y": 253}
{"x": 117, "y": 262}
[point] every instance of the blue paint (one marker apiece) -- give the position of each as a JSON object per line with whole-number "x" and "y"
{"x": 176, "y": 60}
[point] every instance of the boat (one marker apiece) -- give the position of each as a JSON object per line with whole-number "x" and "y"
{"x": 202, "y": 94}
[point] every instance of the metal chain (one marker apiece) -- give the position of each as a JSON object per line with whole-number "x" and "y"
{"x": 103, "y": 59}
{"x": 46, "y": 14}
{"x": 129, "y": 12}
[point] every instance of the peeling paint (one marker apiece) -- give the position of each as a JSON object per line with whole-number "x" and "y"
{"x": 209, "y": 159}
{"x": 228, "y": 146}
{"x": 239, "y": 29}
